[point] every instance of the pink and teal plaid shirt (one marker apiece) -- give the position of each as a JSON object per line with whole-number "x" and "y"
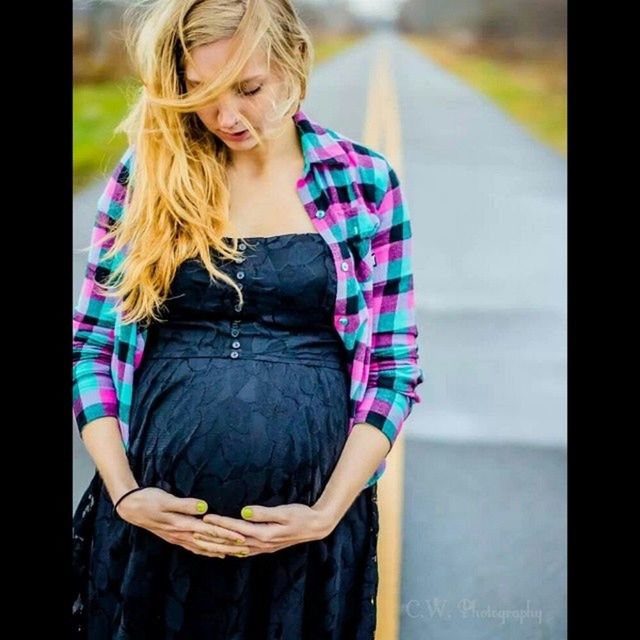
{"x": 354, "y": 199}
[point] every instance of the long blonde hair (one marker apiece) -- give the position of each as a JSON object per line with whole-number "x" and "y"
{"x": 177, "y": 200}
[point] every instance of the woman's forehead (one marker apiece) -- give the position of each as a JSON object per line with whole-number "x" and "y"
{"x": 209, "y": 61}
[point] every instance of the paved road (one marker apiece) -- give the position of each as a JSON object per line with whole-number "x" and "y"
{"x": 485, "y": 504}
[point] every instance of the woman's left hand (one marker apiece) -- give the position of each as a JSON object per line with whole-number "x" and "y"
{"x": 269, "y": 529}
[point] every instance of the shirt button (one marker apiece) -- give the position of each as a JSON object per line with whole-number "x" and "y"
{"x": 240, "y": 285}
{"x": 235, "y": 333}
{"x": 235, "y": 344}
{"x": 242, "y": 246}
{"x": 345, "y": 266}
{"x": 238, "y": 307}
{"x": 344, "y": 321}
{"x": 320, "y": 214}
{"x": 234, "y": 354}
{"x": 240, "y": 275}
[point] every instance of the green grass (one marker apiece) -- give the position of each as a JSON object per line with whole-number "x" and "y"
{"x": 98, "y": 108}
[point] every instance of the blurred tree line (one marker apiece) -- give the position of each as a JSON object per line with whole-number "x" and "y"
{"x": 98, "y": 48}
{"x": 521, "y": 26}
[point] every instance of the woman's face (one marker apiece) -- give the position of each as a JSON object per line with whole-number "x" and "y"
{"x": 253, "y": 96}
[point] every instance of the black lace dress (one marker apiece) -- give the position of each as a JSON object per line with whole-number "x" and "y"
{"x": 240, "y": 405}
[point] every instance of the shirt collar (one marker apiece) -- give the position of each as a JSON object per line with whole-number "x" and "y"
{"x": 318, "y": 145}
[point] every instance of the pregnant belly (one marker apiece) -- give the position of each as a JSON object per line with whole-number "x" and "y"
{"x": 234, "y": 432}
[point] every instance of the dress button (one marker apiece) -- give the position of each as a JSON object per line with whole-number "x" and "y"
{"x": 344, "y": 321}
{"x": 320, "y": 214}
{"x": 234, "y": 354}
{"x": 235, "y": 344}
{"x": 345, "y": 266}
{"x": 240, "y": 275}
{"x": 235, "y": 333}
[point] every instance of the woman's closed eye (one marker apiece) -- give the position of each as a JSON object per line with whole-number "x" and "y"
{"x": 242, "y": 91}
{"x": 252, "y": 92}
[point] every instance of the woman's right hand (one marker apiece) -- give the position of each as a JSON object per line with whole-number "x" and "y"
{"x": 176, "y": 520}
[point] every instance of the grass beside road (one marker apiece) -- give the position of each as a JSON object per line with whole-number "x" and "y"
{"x": 98, "y": 108}
{"x": 531, "y": 88}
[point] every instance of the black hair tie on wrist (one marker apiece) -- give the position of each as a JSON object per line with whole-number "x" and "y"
{"x": 122, "y": 497}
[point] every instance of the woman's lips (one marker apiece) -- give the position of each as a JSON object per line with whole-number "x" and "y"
{"x": 236, "y": 136}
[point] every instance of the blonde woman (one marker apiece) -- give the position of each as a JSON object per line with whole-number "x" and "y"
{"x": 244, "y": 345}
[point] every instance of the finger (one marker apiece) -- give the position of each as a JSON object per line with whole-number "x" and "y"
{"x": 190, "y": 506}
{"x": 201, "y": 552}
{"x": 186, "y": 541}
{"x": 219, "y": 548}
{"x": 250, "y": 543}
{"x": 187, "y": 544}
{"x": 239, "y": 526}
{"x": 219, "y": 532}
{"x": 179, "y": 523}
{"x": 225, "y": 541}
{"x": 260, "y": 513}
{"x": 221, "y": 545}
{"x": 190, "y": 524}
{"x": 196, "y": 525}
{"x": 266, "y": 549}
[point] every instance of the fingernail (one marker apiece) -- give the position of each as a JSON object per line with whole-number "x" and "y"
{"x": 201, "y": 507}
{"x": 247, "y": 512}
{"x": 241, "y": 553}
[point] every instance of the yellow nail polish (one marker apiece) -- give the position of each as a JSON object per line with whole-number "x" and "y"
{"x": 247, "y": 512}
{"x": 201, "y": 507}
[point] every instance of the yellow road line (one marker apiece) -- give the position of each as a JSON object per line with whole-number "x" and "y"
{"x": 382, "y": 132}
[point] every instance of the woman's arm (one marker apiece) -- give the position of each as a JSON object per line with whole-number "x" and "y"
{"x": 103, "y": 441}
{"x": 95, "y": 405}
{"x": 394, "y": 373}
{"x": 364, "y": 449}
{"x": 94, "y": 394}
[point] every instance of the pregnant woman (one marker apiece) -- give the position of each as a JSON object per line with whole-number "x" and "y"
{"x": 244, "y": 346}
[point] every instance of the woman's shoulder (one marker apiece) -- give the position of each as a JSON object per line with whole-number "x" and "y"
{"x": 368, "y": 166}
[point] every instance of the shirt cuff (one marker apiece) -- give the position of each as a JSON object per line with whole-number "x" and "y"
{"x": 386, "y": 409}
{"x": 94, "y": 396}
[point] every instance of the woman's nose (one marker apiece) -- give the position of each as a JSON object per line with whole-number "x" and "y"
{"x": 227, "y": 119}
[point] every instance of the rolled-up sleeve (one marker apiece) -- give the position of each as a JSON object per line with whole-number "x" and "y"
{"x": 394, "y": 372}
{"x": 93, "y": 390}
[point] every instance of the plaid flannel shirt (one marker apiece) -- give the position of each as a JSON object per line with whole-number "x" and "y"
{"x": 355, "y": 201}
